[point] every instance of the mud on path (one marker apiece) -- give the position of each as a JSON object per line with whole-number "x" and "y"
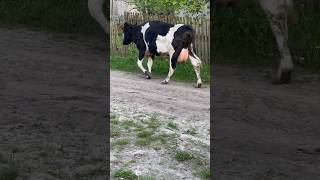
{"x": 133, "y": 96}
{"x": 52, "y": 106}
{"x": 265, "y": 131}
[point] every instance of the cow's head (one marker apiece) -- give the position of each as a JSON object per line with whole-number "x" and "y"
{"x": 129, "y": 32}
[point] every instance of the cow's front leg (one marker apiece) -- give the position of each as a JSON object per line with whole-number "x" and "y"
{"x": 172, "y": 67}
{"x": 140, "y": 64}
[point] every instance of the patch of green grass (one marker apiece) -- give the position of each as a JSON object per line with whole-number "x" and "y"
{"x": 144, "y": 138}
{"x": 184, "y": 72}
{"x": 125, "y": 174}
{"x": 139, "y": 127}
{"x": 145, "y": 134}
{"x": 115, "y": 131}
{"x": 143, "y": 141}
{"x": 128, "y": 124}
{"x": 8, "y": 174}
{"x": 114, "y": 120}
{"x": 153, "y": 122}
{"x": 121, "y": 142}
{"x": 203, "y": 173}
{"x": 172, "y": 125}
{"x": 164, "y": 138}
{"x": 183, "y": 155}
{"x": 191, "y": 131}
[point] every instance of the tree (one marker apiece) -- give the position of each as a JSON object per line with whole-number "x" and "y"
{"x": 171, "y": 6}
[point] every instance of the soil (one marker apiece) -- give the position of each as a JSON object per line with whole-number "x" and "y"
{"x": 53, "y": 103}
{"x": 262, "y": 130}
{"x": 132, "y": 96}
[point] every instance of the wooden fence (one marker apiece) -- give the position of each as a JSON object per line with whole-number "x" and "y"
{"x": 200, "y": 25}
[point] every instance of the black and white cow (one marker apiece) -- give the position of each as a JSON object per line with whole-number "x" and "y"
{"x": 156, "y": 38}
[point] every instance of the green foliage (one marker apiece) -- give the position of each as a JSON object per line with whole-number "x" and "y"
{"x": 68, "y": 16}
{"x": 170, "y": 6}
{"x": 125, "y": 174}
{"x": 184, "y": 72}
{"x": 183, "y": 155}
{"x": 243, "y": 36}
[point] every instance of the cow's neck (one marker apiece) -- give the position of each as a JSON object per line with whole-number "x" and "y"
{"x": 136, "y": 38}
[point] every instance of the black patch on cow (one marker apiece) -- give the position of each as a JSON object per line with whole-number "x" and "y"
{"x": 156, "y": 28}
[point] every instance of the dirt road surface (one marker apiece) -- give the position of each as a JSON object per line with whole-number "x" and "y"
{"x": 133, "y": 95}
{"x": 265, "y": 131}
{"x": 52, "y": 106}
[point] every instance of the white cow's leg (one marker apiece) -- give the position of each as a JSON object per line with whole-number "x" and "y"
{"x": 171, "y": 71}
{"x": 172, "y": 67}
{"x": 196, "y": 63}
{"x": 140, "y": 65}
{"x": 277, "y": 14}
{"x": 96, "y": 11}
{"x": 150, "y": 63}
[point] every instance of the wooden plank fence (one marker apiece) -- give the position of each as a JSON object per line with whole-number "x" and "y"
{"x": 200, "y": 25}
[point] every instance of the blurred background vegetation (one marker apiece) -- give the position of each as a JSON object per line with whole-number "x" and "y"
{"x": 242, "y": 36}
{"x": 239, "y": 36}
{"x": 66, "y": 16}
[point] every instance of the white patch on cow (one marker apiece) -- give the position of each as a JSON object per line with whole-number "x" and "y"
{"x": 143, "y": 31}
{"x": 164, "y": 42}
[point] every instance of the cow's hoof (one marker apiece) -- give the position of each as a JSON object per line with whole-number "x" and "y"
{"x": 147, "y": 75}
{"x": 164, "y": 82}
{"x": 285, "y": 77}
{"x": 198, "y": 85}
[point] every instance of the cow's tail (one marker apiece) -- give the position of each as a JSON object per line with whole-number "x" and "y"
{"x": 189, "y": 41}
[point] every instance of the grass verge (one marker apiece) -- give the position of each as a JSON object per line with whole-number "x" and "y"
{"x": 184, "y": 72}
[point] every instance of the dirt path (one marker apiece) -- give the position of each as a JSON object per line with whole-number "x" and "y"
{"x": 52, "y": 106}
{"x": 265, "y": 131}
{"x": 133, "y": 95}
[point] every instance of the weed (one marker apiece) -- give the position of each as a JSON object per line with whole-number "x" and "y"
{"x": 125, "y": 174}
{"x": 115, "y": 131}
{"x": 191, "y": 131}
{"x": 183, "y": 155}
{"x": 203, "y": 173}
{"x": 172, "y": 125}
{"x": 121, "y": 142}
{"x": 128, "y": 124}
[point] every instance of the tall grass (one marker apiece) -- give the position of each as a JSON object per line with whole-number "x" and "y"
{"x": 67, "y": 16}
{"x": 243, "y": 36}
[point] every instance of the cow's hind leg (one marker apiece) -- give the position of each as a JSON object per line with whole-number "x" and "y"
{"x": 277, "y": 16}
{"x": 196, "y": 63}
{"x": 150, "y": 63}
